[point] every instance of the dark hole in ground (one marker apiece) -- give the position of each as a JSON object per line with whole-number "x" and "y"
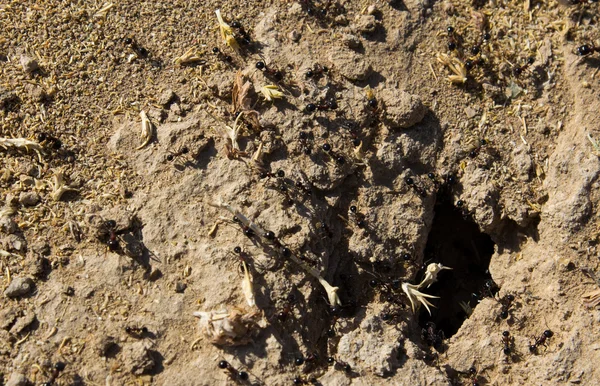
{"x": 456, "y": 242}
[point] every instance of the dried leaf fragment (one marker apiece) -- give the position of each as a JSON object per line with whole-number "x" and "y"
{"x": 191, "y": 56}
{"x": 146, "y": 133}
{"x": 227, "y": 32}
{"x": 230, "y": 328}
{"x": 456, "y": 66}
{"x": 271, "y": 92}
{"x": 59, "y": 187}
{"x": 247, "y": 287}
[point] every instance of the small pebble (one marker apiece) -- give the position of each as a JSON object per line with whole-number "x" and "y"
{"x": 8, "y": 225}
{"x": 29, "y": 198}
{"x": 295, "y": 36}
{"x": 29, "y": 65}
{"x": 19, "y": 286}
{"x": 166, "y": 98}
{"x": 180, "y": 287}
{"x": 17, "y": 379}
{"x": 351, "y": 41}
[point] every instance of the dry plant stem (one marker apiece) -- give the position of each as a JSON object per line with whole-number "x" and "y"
{"x": 332, "y": 296}
{"x": 414, "y": 295}
{"x": 22, "y": 143}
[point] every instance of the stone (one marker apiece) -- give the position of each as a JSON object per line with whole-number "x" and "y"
{"x": 29, "y": 65}
{"x": 17, "y": 379}
{"x": 8, "y": 225}
{"x": 29, "y": 198}
{"x": 402, "y": 109}
{"x": 166, "y": 98}
{"x": 19, "y": 286}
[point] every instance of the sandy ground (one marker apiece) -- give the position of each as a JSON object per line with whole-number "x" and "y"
{"x": 386, "y": 146}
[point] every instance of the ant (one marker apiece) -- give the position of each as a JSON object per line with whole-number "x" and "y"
{"x": 473, "y": 376}
{"x": 322, "y": 106}
{"x": 287, "y": 308}
{"x": 111, "y": 231}
{"x": 140, "y": 51}
{"x": 489, "y": 290}
{"x": 232, "y": 372}
{"x": 519, "y": 70}
{"x": 316, "y": 72}
{"x": 56, "y": 370}
{"x": 506, "y": 302}
{"x": 339, "y": 159}
{"x": 222, "y": 56}
{"x": 54, "y": 142}
{"x": 278, "y": 174}
{"x": 137, "y": 332}
{"x": 277, "y": 75}
{"x": 587, "y": 49}
{"x": 184, "y": 150}
{"x": 507, "y": 342}
{"x": 342, "y": 365}
{"x": 432, "y": 336}
{"x": 359, "y": 218}
{"x": 304, "y": 137}
{"x": 411, "y": 182}
{"x": 241, "y": 35}
{"x": 541, "y": 341}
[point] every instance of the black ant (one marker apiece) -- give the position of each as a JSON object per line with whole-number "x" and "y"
{"x": 473, "y": 376}
{"x": 489, "y": 290}
{"x": 322, "y": 106}
{"x": 474, "y": 152}
{"x": 54, "y": 142}
{"x": 136, "y": 332}
{"x": 232, "y": 372}
{"x": 184, "y": 150}
{"x": 248, "y": 232}
{"x": 110, "y": 228}
{"x": 586, "y": 49}
{"x": 411, "y": 182}
{"x": 317, "y": 71}
{"x": 278, "y": 174}
{"x": 56, "y": 370}
{"x": 339, "y": 364}
{"x": 139, "y": 50}
{"x": 359, "y": 218}
{"x": 241, "y": 34}
{"x": 506, "y": 302}
{"x": 519, "y": 69}
{"x": 507, "y": 342}
{"x": 275, "y": 74}
{"x": 222, "y": 56}
{"x": 287, "y": 308}
{"x": 304, "y": 137}
{"x": 452, "y": 38}
{"x": 339, "y": 159}
{"x": 432, "y": 336}
{"x": 541, "y": 341}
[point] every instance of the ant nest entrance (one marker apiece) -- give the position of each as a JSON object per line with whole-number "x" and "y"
{"x": 455, "y": 241}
